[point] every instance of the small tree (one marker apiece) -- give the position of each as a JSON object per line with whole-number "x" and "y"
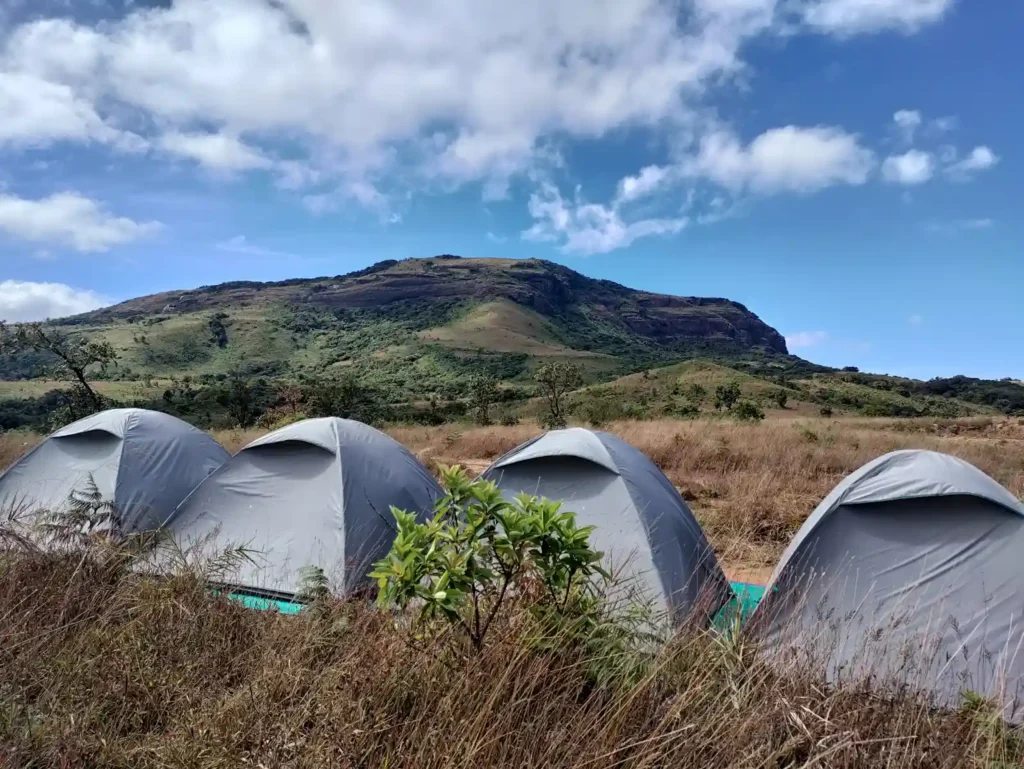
{"x": 73, "y": 356}
{"x": 746, "y": 411}
{"x": 780, "y": 398}
{"x": 239, "y": 398}
{"x": 726, "y": 396}
{"x": 826, "y": 411}
{"x": 555, "y": 381}
{"x": 483, "y": 392}
{"x": 696, "y": 394}
{"x": 461, "y": 567}
{"x": 343, "y": 396}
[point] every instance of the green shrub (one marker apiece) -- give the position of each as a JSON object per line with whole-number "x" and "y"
{"x": 747, "y": 411}
{"x": 479, "y": 550}
{"x": 726, "y": 396}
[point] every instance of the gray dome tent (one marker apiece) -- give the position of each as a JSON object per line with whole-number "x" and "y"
{"x": 910, "y": 570}
{"x": 644, "y": 527}
{"x": 144, "y": 462}
{"x": 315, "y": 493}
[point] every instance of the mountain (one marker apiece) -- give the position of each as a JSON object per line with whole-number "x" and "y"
{"x": 415, "y": 332}
{"x": 418, "y": 322}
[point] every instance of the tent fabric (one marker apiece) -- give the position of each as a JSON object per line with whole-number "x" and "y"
{"x": 144, "y": 462}
{"x": 645, "y": 529}
{"x": 315, "y": 493}
{"x": 910, "y": 570}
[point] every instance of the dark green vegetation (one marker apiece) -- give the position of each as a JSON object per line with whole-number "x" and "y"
{"x": 425, "y": 339}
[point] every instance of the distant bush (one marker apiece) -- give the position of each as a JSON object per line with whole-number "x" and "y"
{"x": 726, "y": 396}
{"x": 746, "y": 411}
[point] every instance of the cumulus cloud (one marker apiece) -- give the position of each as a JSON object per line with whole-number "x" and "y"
{"x": 71, "y": 220}
{"x": 910, "y": 168}
{"x": 648, "y": 180}
{"x": 589, "y": 228}
{"x": 368, "y": 103}
{"x": 805, "y": 339}
{"x": 37, "y": 113}
{"x": 788, "y": 159}
{"x": 23, "y": 301}
{"x": 907, "y": 121}
{"x": 980, "y": 159}
{"x": 215, "y": 151}
{"x": 852, "y": 17}
{"x": 458, "y": 91}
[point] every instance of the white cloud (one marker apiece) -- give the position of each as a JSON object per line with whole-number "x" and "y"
{"x": 789, "y": 159}
{"x": 239, "y": 244}
{"x": 37, "y": 113}
{"x": 806, "y": 339}
{"x": 851, "y": 17}
{"x": 910, "y": 168}
{"x": 942, "y": 125}
{"x": 915, "y": 320}
{"x": 589, "y": 228}
{"x": 24, "y": 301}
{"x": 980, "y": 159}
{"x": 498, "y": 239}
{"x": 349, "y": 82}
{"x": 215, "y": 151}
{"x": 644, "y": 183}
{"x": 907, "y": 121}
{"x": 468, "y": 89}
{"x": 71, "y": 220}
{"x": 373, "y": 101}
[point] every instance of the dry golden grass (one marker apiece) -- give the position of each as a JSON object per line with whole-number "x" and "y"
{"x": 102, "y": 667}
{"x": 751, "y": 485}
{"x": 99, "y": 668}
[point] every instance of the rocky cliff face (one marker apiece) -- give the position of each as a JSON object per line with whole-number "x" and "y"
{"x": 549, "y": 289}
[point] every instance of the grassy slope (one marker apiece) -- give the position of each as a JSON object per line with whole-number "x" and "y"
{"x": 805, "y": 396}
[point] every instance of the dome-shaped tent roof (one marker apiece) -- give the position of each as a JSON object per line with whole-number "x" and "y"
{"x": 144, "y": 462}
{"x": 644, "y": 527}
{"x": 914, "y": 550}
{"x": 315, "y": 493}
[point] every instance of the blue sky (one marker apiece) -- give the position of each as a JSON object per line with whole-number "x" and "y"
{"x": 848, "y": 169}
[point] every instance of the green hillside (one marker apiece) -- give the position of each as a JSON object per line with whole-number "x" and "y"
{"x": 418, "y": 331}
{"x": 429, "y": 318}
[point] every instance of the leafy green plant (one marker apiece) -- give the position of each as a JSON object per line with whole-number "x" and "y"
{"x": 726, "y": 396}
{"x": 747, "y": 411}
{"x": 780, "y": 398}
{"x": 460, "y": 568}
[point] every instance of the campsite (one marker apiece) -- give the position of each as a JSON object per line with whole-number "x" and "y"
{"x": 335, "y": 667}
{"x": 544, "y": 384}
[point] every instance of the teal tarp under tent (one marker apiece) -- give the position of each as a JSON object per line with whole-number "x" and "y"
{"x": 744, "y": 601}
{"x": 263, "y": 602}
